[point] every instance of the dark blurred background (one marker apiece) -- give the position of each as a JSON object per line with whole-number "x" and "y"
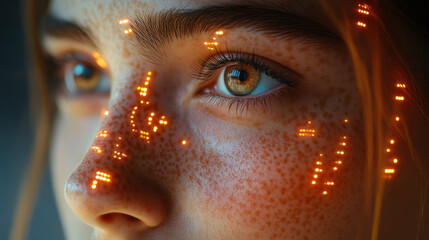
{"x": 16, "y": 132}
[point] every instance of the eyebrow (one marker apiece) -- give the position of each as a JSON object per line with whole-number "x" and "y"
{"x": 59, "y": 28}
{"x": 154, "y": 31}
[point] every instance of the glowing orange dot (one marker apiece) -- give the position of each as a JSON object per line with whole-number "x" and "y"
{"x": 388, "y": 150}
{"x": 313, "y": 182}
{"x": 315, "y": 176}
{"x": 325, "y": 192}
{"x": 106, "y": 113}
{"x": 392, "y": 141}
{"x": 335, "y": 168}
{"x": 395, "y": 160}
{"x": 397, "y": 119}
{"x": 184, "y": 142}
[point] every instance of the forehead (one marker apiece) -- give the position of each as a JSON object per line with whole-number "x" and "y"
{"x": 91, "y": 12}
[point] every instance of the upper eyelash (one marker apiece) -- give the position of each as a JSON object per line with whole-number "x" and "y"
{"x": 206, "y": 67}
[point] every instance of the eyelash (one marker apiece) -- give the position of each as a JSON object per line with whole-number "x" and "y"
{"x": 207, "y": 67}
{"x": 55, "y": 70}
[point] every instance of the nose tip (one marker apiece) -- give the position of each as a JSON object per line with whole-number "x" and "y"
{"x": 116, "y": 199}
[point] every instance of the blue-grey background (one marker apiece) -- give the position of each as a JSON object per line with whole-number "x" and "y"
{"x": 16, "y": 132}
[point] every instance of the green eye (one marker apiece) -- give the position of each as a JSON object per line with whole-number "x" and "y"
{"x": 83, "y": 78}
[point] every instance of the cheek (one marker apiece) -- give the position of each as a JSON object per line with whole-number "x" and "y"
{"x": 263, "y": 180}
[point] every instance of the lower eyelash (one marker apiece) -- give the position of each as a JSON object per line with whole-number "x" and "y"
{"x": 241, "y": 105}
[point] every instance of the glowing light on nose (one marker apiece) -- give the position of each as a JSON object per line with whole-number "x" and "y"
{"x": 100, "y": 176}
{"x": 96, "y": 149}
{"x": 361, "y": 24}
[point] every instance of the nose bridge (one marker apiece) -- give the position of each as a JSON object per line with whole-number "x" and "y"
{"x": 107, "y": 186}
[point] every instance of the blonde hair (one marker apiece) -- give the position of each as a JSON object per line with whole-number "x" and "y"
{"x": 372, "y": 75}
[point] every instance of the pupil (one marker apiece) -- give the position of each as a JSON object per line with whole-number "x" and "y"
{"x": 241, "y": 75}
{"x": 81, "y": 70}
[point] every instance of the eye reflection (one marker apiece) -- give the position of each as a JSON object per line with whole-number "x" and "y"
{"x": 244, "y": 80}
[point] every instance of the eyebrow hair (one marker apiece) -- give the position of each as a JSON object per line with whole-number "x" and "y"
{"x": 153, "y": 31}
{"x": 59, "y": 28}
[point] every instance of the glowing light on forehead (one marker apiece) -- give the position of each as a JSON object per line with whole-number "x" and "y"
{"x": 326, "y": 170}
{"x": 213, "y": 42}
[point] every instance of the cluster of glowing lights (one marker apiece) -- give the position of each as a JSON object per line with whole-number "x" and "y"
{"x": 213, "y": 42}
{"x": 326, "y": 171}
{"x": 99, "y": 60}
{"x": 307, "y": 132}
{"x": 390, "y": 170}
{"x": 100, "y": 176}
{"x": 102, "y": 133}
{"x": 153, "y": 122}
{"x": 97, "y": 149}
{"x": 363, "y": 9}
{"x": 126, "y": 22}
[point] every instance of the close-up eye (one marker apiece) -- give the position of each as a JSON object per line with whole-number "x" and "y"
{"x": 241, "y": 74}
{"x": 79, "y": 75}
{"x": 244, "y": 80}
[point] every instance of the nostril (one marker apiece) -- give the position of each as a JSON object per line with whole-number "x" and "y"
{"x": 119, "y": 218}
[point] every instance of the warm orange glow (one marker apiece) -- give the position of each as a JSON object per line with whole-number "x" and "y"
{"x": 102, "y": 133}
{"x": 400, "y": 85}
{"x": 325, "y": 192}
{"x": 361, "y": 24}
{"x": 343, "y": 144}
{"x": 392, "y": 141}
{"x": 335, "y": 168}
{"x": 399, "y": 98}
{"x": 395, "y": 160}
{"x": 101, "y": 176}
{"x": 397, "y": 119}
{"x": 338, "y": 162}
{"x": 128, "y": 31}
{"x": 387, "y": 149}
{"x": 306, "y": 132}
{"x": 389, "y": 170}
{"x": 315, "y": 176}
{"x": 313, "y": 182}
{"x": 123, "y": 21}
{"x": 363, "y": 5}
{"x": 346, "y": 120}
{"x": 106, "y": 113}
{"x": 340, "y": 152}
{"x": 99, "y": 60}
{"x": 318, "y": 163}
{"x": 184, "y": 142}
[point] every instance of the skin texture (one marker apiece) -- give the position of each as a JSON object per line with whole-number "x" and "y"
{"x": 244, "y": 172}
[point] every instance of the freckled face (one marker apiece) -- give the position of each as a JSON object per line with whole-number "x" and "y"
{"x": 283, "y": 164}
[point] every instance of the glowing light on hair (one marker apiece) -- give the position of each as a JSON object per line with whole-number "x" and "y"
{"x": 102, "y": 133}
{"x": 363, "y": 11}
{"x": 100, "y": 176}
{"x": 399, "y": 98}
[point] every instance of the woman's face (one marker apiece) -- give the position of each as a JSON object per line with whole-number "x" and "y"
{"x": 169, "y": 130}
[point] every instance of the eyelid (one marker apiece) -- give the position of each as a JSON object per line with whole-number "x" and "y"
{"x": 206, "y": 67}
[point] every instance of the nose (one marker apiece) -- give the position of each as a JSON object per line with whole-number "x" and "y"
{"x": 111, "y": 189}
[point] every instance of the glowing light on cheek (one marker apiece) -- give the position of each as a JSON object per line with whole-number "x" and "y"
{"x": 307, "y": 132}
{"x": 363, "y": 11}
{"x": 332, "y": 167}
{"x": 125, "y": 22}
{"x": 100, "y": 176}
{"x": 102, "y": 133}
